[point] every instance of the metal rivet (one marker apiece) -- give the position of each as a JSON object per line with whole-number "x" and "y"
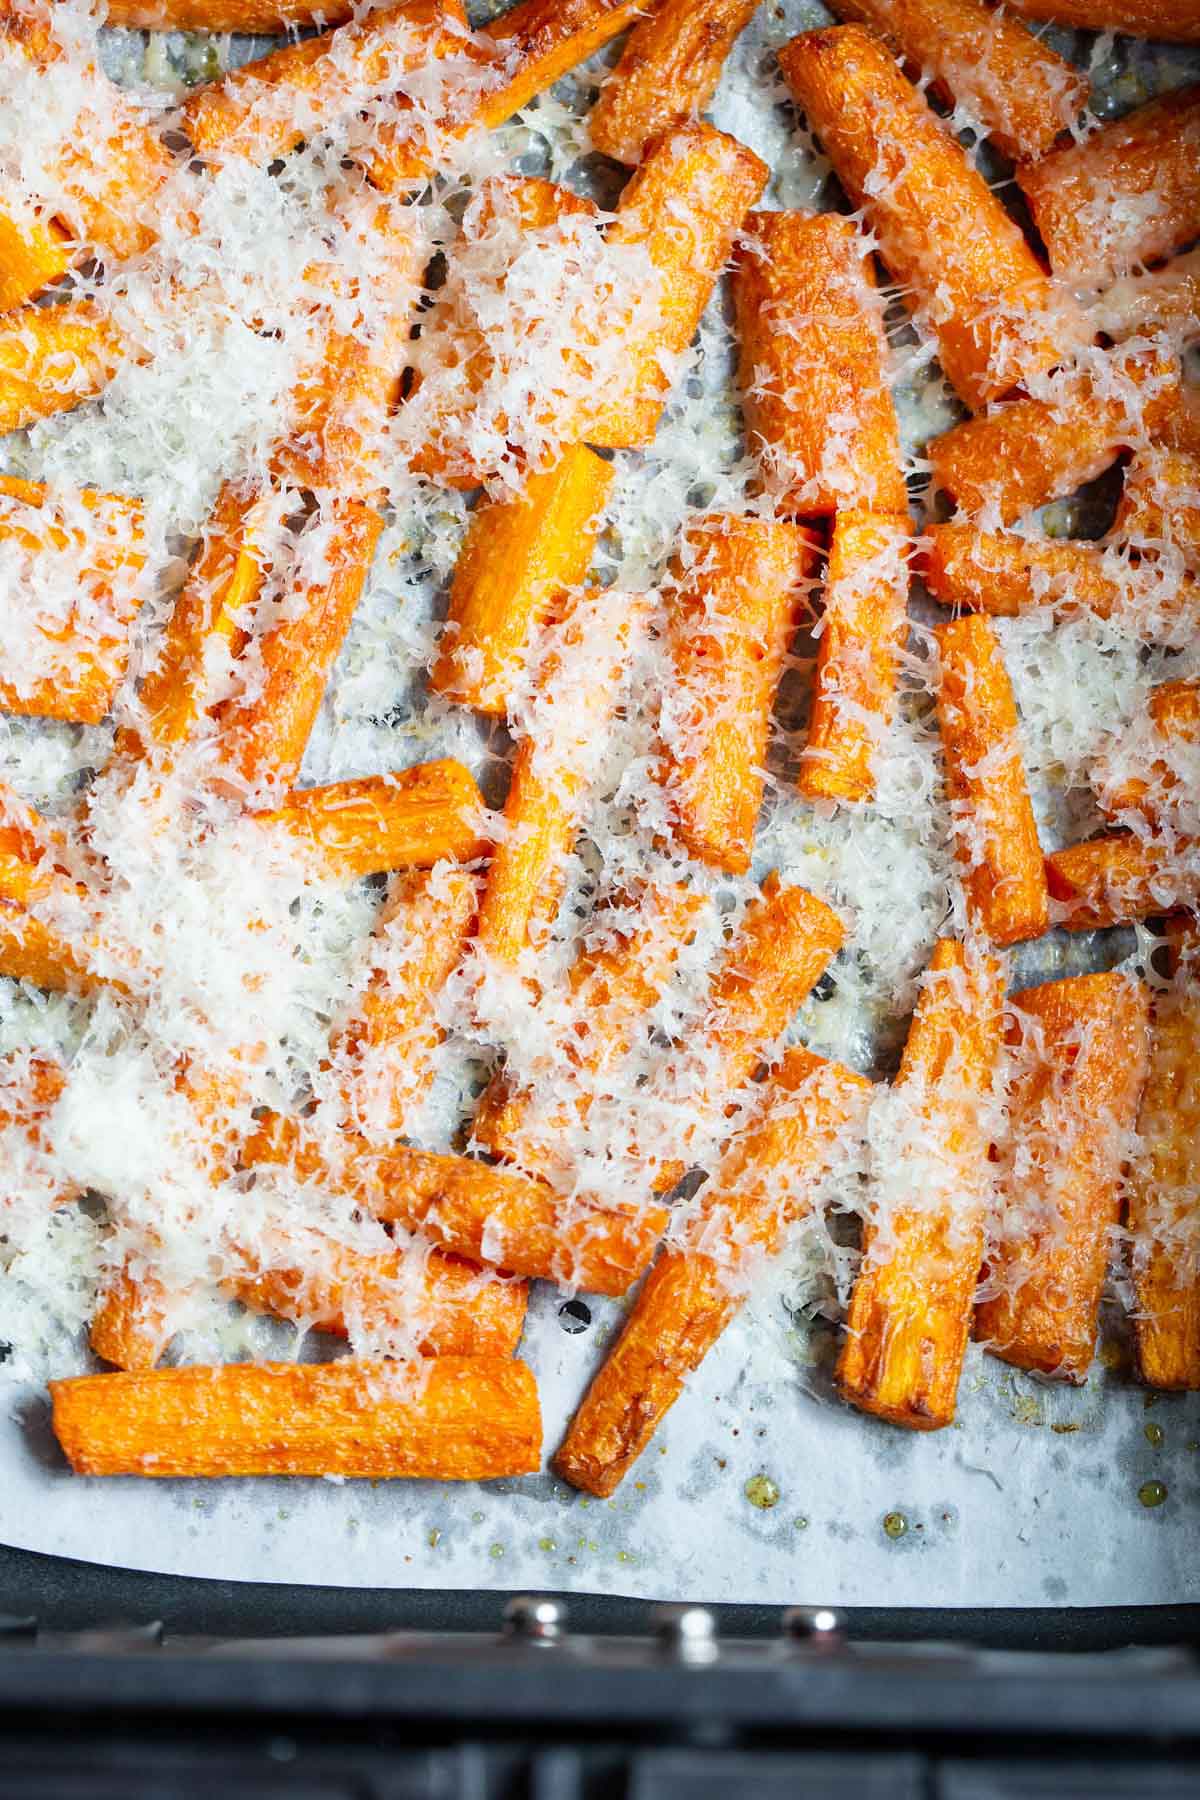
{"x": 688, "y": 1632}
{"x": 534, "y": 1619}
{"x": 813, "y": 1625}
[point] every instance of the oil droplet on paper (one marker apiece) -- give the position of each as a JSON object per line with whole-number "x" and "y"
{"x": 762, "y": 1492}
{"x": 895, "y": 1524}
{"x": 1152, "y": 1493}
{"x": 1155, "y": 1434}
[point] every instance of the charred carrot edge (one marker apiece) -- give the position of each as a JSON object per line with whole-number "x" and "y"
{"x": 1125, "y": 195}
{"x": 763, "y": 1184}
{"x": 53, "y": 358}
{"x": 518, "y": 557}
{"x": 1020, "y": 90}
{"x": 1030, "y": 451}
{"x": 130, "y": 1326}
{"x": 383, "y": 1053}
{"x": 611, "y": 991}
{"x": 1003, "y": 871}
{"x": 488, "y": 1215}
{"x": 34, "y": 251}
{"x": 854, "y": 689}
{"x": 786, "y": 939}
{"x": 910, "y": 1312}
{"x": 1174, "y": 709}
{"x": 263, "y": 736}
{"x": 380, "y": 823}
{"x": 254, "y": 18}
{"x": 1156, "y": 300}
{"x": 941, "y": 230}
{"x": 811, "y": 348}
{"x": 1170, "y": 21}
{"x": 1160, "y": 503}
{"x": 668, "y": 71}
{"x": 733, "y": 604}
{"x": 683, "y": 205}
{"x": 1070, "y": 1109}
{"x": 1115, "y": 879}
{"x": 463, "y": 1310}
{"x": 455, "y": 1418}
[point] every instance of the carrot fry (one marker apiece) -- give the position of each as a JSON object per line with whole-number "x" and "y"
{"x": 381, "y": 823}
{"x": 732, "y": 606}
{"x": 1127, "y": 194}
{"x": 1161, "y": 502}
{"x": 30, "y": 1087}
{"x": 382, "y": 1055}
{"x": 1003, "y": 872}
{"x": 34, "y": 251}
{"x": 488, "y": 1215}
{"x": 1173, "y": 717}
{"x": 910, "y": 1312}
{"x": 764, "y": 1184}
{"x": 1159, "y": 299}
{"x": 518, "y": 558}
{"x": 1172, "y": 21}
{"x": 457, "y": 1418}
{"x": 131, "y": 1326}
{"x": 1021, "y": 91}
{"x": 1163, "y": 1189}
{"x": 254, "y": 18}
{"x": 813, "y": 365}
{"x": 668, "y": 72}
{"x": 1081, "y": 1048}
{"x": 33, "y": 948}
{"x": 53, "y": 358}
{"x": 1032, "y": 451}
{"x": 941, "y": 231}
{"x": 577, "y": 690}
{"x": 1113, "y": 880}
{"x": 265, "y": 728}
{"x": 610, "y": 991}
{"x": 864, "y": 621}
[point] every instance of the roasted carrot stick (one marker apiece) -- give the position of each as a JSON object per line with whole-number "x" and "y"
{"x": 582, "y": 667}
{"x": 812, "y": 359}
{"x": 132, "y": 1324}
{"x": 668, "y": 72}
{"x": 1160, "y": 504}
{"x": 1112, "y": 880}
{"x": 53, "y": 358}
{"x": 1031, "y": 451}
{"x": 1080, "y": 1050}
{"x": 765, "y": 1182}
{"x": 488, "y": 1215}
{"x": 1001, "y": 860}
{"x": 1021, "y": 91}
{"x": 1127, "y": 194}
{"x": 456, "y": 1418}
{"x": 610, "y": 989}
{"x": 1156, "y": 300}
{"x": 34, "y": 251}
{"x": 1174, "y": 21}
{"x": 1165, "y": 745}
{"x": 378, "y": 823}
{"x": 518, "y": 558}
{"x": 382, "y": 1054}
{"x": 974, "y": 280}
{"x": 264, "y": 729}
{"x": 733, "y": 603}
{"x": 1163, "y": 1186}
{"x": 254, "y": 18}
{"x": 910, "y": 1312}
{"x": 866, "y": 594}
{"x": 35, "y": 944}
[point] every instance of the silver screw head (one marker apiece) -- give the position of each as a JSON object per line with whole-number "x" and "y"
{"x": 813, "y": 1625}
{"x": 534, "y": 1619}
{"x": 687, "y": 1632}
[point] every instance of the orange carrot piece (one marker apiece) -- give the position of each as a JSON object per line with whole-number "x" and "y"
{"x": 1081, "y": 1049}
{"x": 488, "y": 1215}
{"x": 53, "y": 358}
{"x": 30, "y": 1087}
{"x": 518, "y": 558}
{"x": 942, "y": 232}
{"x": 132, "y": 1325}
{"x": 1173, "y": 712}
{"x": 455, "y": 1418}
{"x": 1003, "y": 871}
{"x": 733, "y": 603}
{"x": 668, "y": 72}
{"x": 253, "y": 18}
{"x": 1172, "y": 21}
{"x": 864, "y": 622}
{"x": 34, "y": 251}
{"x": 764, "y": 1184}
{"x": 910, "y": 1312}
{"x": 1127, "y": 194}
{"x": 1160, "y": 503}
{"x": 1156, "y": 300}
{"x": 379, "y": 823}
{"x": 1115, "y": 879}
{"x": 33, "y": 948}
{"x": 813, "y": 365}
{"x": 610, "y": 991}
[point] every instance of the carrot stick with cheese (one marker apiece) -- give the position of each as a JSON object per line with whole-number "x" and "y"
{"x": 974, "y": 280}
{"x": 1160, "y": 504}
{"x": 1120, "y": 877}
{"x": 34, "y": 250}
{"x": 1126, "y": 195}
{"x": 253, "y": 18}
{"x": 380, "y": 823}
{"x": 518, "y": 558}
{"x": 46, "y": 931}
{"x": 910, "y": 1312}
{"x": 667, "y": 73}
{"x": 132, "y": 1323}
{"x": 1080, "y": 1055}
{"x": 862, "y": 630}
{"x": 1001, "y": 860}
{"x": 1172, "y": 21}
{"x": 812, "y": 365}
{"x": 53, "y": 358}
{"x": 1165, "y": 744}
{"x": 457, "y": 1418}
{"x": 763, "y": 1185}
{"x": 733, "y": 603}
{"x": 1022, "y": 92}
{"x": 1164, "y": 299}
